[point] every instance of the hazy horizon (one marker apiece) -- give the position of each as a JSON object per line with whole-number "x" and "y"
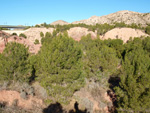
{"x": 31, "y": 12}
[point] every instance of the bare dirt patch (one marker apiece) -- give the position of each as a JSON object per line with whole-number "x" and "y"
{"x": 9, "y": 97}
{"x": 77, "y": 32}
{"x": 123, "y": 33}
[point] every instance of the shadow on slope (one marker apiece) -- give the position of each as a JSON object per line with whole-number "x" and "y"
{"x": 57, "y": 108}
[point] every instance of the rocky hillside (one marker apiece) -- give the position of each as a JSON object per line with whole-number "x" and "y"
{"x": 128, "y": 17}
{"x": 34, "y": 33}
{"x": 123, "y": 34}
{"x": 59, "y": 22}
{"x": 32, "y": 47}
{"x": 77, "y": 32}
{"x": 31, "y": 33}
{"x": 117, "y": 33}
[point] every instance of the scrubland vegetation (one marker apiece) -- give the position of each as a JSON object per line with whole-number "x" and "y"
{"x": 62, "y": 65}
{"x": 100, "y": 28}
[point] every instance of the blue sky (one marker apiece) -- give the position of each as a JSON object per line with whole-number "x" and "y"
{"x": 31, "y": 12}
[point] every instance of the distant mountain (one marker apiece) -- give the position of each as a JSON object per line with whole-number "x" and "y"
{"x": 128, "y": 17}
{"x": 59, "y": 22}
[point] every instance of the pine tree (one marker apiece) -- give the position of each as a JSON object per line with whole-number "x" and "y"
{"x": 59, "y": 67}
{"x": 133, "y": 92}
{"x": 98, "y": 59}
{"x": 14, "y": 63}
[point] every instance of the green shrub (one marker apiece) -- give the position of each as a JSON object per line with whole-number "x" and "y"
{"x": 59, "y": 68}
{"x": 98, "y": 59}
{"x": 47, "y": 39}
{"x": 36, "y": 41}
{"x": 14, "y": 34}
{"x": 22, "y": 35}
{"x": 42, "y": 34}
{"x": 133, "y": 92}
{"x": 147, "y": 30}
{"x": 14, "y": 63}
{"x": 116, "y": 44}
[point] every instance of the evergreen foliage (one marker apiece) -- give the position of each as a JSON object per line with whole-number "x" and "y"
{"x": 59, "y": 68}
{"x": 47, "y": 39}
{"x": 14, "y": 63}
{"x": 42, "y": 34}
{"x": 147, "y": 30}
{"x": 133, "y": 92}
{"x": 100, "y": 28}
{"x": 36, "y": 41}
{"x": 62, "y": 65}
{"x": 14, "y": 34}
{"x": 116, "y": 44}
{"x": 22, "y": 35}
{"x": 99, "y": 59}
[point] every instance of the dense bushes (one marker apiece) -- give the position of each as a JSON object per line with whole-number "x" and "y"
{"x": 59, "y": 68}
{"x": 130, "y": 62}
{"x": 147, "y": 30}
{"x": 14, "y": 63}
{"x": 36, "y": 41}
{"x": 62, "y": 65}
{"x": 133, "y": 92}
{"x": 100, "y": 28}
{"x": 22, "y": 35}
{"x": 14, "y": 34}
{"x": 98, "y": 57}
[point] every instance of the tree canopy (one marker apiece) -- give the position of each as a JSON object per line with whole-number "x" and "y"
{"x": 59, "y": 67}
{"x": 14, "y": 63}
{"x": 133, "y": 92}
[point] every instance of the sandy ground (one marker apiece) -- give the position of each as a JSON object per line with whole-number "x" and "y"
{"x": 9, "y": 96}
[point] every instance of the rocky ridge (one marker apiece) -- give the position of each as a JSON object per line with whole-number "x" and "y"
{"x": 128, "y": 17}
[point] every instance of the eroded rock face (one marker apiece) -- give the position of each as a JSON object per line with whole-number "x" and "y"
{"x": 77, "y": 32}
{"x": 123, "y": 33}
{"x": 93, "y": 98}
{"x": 34, "y": 33}
{"x": 31, "y": 33}
{"x": 32, "y": 47}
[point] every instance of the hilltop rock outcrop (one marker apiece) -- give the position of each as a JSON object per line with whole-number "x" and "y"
{"x": 128, "y": 17}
